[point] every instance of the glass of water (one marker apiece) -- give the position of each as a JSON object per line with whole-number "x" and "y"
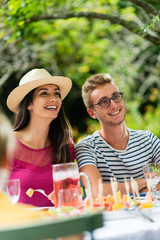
{"x": 152, "y": 175}
{"x": 12, "y": 188}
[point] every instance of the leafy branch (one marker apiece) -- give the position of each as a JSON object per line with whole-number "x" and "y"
{"x": 132, "y": 26}
{"x": 146, "y": 7}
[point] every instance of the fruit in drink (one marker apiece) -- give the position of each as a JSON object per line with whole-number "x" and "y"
{"x": 67, "y": 192}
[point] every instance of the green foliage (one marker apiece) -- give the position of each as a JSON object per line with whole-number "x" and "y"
{"x": 148, "y": 121}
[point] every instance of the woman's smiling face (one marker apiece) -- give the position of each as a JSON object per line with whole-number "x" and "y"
{"x": 46, "y": 101}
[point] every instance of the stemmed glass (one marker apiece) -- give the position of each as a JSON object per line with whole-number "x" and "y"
{"x": 12, "y": 188}
{"x": 152, "y": 175}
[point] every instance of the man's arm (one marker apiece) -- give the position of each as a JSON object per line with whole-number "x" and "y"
{"x": 94, "y": 176}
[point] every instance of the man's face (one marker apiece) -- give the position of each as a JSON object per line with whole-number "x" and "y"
{"x": 112, "y": 115}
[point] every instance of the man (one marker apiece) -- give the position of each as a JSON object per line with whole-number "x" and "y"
{"x": 115, "y": 150}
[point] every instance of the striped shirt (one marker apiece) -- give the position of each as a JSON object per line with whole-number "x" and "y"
{"x": 143, "y": 147}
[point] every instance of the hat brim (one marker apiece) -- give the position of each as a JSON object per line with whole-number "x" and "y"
{"x": 17, "y": 95}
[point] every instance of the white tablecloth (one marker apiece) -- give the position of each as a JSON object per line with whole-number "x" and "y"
{"x": 130, "y": 228}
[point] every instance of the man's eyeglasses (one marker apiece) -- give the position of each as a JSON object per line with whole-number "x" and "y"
{"x": 105, "y": 102}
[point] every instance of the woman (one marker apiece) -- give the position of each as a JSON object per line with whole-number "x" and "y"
{"x": 42, "y": 132}
{"x": 18, "y": 214}
{"x": 11, "y": 215}
{"x": 6, "y": 148}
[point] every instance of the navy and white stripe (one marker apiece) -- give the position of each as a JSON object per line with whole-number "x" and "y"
{"x": 143, "y": 147}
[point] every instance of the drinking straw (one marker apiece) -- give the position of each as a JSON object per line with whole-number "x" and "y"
{"x": 136, "y": 188}
{"x": 126, "y": 184}
{"x": 114, "y": 186}
{"x": 133, "y": 188}
{"x": 149, "y": 183}
{"x": 90, "y": 195}
{"x": 100, "y": 191}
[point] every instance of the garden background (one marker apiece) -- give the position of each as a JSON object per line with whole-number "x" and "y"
{"x": 78, "y": 38}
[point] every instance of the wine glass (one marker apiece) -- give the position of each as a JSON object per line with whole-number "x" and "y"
{"x": 12, "y": 188}
{"x": 152, "y": 175}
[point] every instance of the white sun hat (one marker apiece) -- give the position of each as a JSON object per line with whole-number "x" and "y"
{"x": 33, "y": 79}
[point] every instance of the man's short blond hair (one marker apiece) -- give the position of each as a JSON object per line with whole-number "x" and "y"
{"x": 92, "y": 83}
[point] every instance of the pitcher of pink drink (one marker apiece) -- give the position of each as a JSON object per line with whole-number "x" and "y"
{"x": 66, "y": 181}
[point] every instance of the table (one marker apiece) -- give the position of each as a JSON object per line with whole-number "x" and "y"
{"x": 54, "y": 228}
{"x": 106, "y": 226}
{"x": 132, "y": 228}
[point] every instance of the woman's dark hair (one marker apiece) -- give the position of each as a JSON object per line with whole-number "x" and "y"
{"x": 59, "y": 133}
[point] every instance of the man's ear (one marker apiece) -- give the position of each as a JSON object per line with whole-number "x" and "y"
{"x": 91, "y": 113}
